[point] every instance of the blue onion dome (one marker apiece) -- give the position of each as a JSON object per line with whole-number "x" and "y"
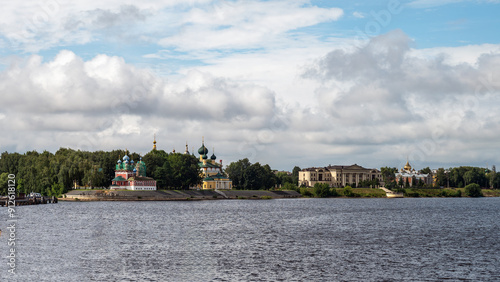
{"x": 213, "y": 157}
{"x": 203, "y": 150}
{"x": 119, "y": 161}
{"x": 132, "y": 161}
{"x": 205, "y": 157}
{"x": 126, "y": 158}
{"x": 126, "y": 161}
{"x": 135, "y": 170}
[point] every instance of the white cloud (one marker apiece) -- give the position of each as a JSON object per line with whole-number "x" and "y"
{"x": 246, "y": 24}
{"x": 435, "y": 3}
{"x": 104, "y": 102}
{"x": 358, "y": 15}
{"x": 386, "y": 94}
{"x": 372, "y": 104}
{"x": 191, "y": 25}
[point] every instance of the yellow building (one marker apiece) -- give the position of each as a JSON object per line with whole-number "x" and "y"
{"x": 211, "y": 171}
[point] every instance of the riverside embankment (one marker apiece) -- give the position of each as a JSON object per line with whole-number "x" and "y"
{"x": 174, "y": 195}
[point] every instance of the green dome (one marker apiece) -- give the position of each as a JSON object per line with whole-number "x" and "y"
{"x": 213, "y": 157}
{"x": 205, "y": 157}
{"x": 203, "y": 150}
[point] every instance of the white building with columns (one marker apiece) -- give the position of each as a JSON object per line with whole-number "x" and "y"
{"x": 337, "y": 175}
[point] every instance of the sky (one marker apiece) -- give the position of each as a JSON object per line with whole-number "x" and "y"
{"x": 285, "y": 83}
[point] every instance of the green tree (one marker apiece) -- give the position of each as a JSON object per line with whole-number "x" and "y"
{"x": 401, "y": 182}
{"x": 471, "y": 176}
{"x": 348, "y": 191}
{"x": 183, "y": 170}
{"x": 269, "y": 178}
{"x": 4, "y": 183}
{"x": 426, "y": 170}
{"x": 162, "y": 175}
{"x": 56, "y": 190}
{"x": 441, "y": 178}
{"x": 236, "y": 170}
{"x": 154, "y": 159}
{"x": 254, "y": 177}
{"x": 282, "y": 178}
{"x": 290, "y": 186}
{"x": 295, "y": 174}
{"x": 495, "y": 180}
{"x": 473, "y": 190}
{"x": 322, "y": 190}
{"x": 388, "y": 174}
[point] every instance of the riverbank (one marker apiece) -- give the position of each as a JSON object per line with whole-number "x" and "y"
{"x": 174, "y": 195}
{"x": 408, "y": 193}
{"x": 183, "y": 195}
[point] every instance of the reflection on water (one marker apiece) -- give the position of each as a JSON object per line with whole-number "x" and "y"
{"x": 228, "y": 240}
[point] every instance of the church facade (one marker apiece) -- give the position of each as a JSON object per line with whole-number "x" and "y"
{"x": 131, "y": 176}
{"x": 211, "y": 171}
{"x": 407, "y": 174}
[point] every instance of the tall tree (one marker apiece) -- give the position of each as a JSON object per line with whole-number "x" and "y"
{"x": 388, "y": 173}
{"x": 236, "y": 170}
{"x": 295, "y": 174}
{"x": 184, "y": 171}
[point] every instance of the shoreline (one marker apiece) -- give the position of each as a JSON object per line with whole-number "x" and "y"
{"x": 197, "y": 195}
{"x": 175, "y": 195}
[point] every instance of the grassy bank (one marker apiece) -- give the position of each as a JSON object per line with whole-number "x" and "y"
{"x": 356, "y": 193}
{"x": 446, "y": 192}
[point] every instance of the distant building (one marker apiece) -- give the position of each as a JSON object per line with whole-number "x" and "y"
{"x": 132, "y": 176}
{"x": 407, "y": 173}
{"x": 337, "y": 175}
{"x": 211, "y": 171}
{"x": 288, "y": 173}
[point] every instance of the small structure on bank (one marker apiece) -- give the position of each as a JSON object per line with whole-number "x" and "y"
{"x": 131, "y": 176}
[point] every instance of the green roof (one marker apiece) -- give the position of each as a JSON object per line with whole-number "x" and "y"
{"x": 118, "y": 178}
{"x": 208, "y": 165}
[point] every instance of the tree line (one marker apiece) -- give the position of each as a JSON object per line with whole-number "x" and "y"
{"x": 462, "y": 176}
{"x": 458, "y": 177}
{"x": 54, "y": 174}
{"x": 248, "y": 176}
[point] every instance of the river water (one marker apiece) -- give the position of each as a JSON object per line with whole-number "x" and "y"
{"x": 257, "y": 240}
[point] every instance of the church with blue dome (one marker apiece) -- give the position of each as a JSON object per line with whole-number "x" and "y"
{"x": 132, "y": 176}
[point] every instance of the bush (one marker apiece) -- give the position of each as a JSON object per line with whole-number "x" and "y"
{"x": 305, "y": 192}
{"x": 409, "y": 193}
{"x": 321, "y": 190}
{"x": 290, "y": 186}
{"x": 473, "y": 190}
{"x": 266, "y": 197}
{"x": 348, "y": 191}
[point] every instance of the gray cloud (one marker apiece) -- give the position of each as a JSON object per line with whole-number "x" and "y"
{"x": 375, "y": 105}
{"x": 383, "y": 96}
{"x": 105, "y": 103}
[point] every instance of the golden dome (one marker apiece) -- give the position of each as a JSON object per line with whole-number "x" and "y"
{"x": 407, "y": 166}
